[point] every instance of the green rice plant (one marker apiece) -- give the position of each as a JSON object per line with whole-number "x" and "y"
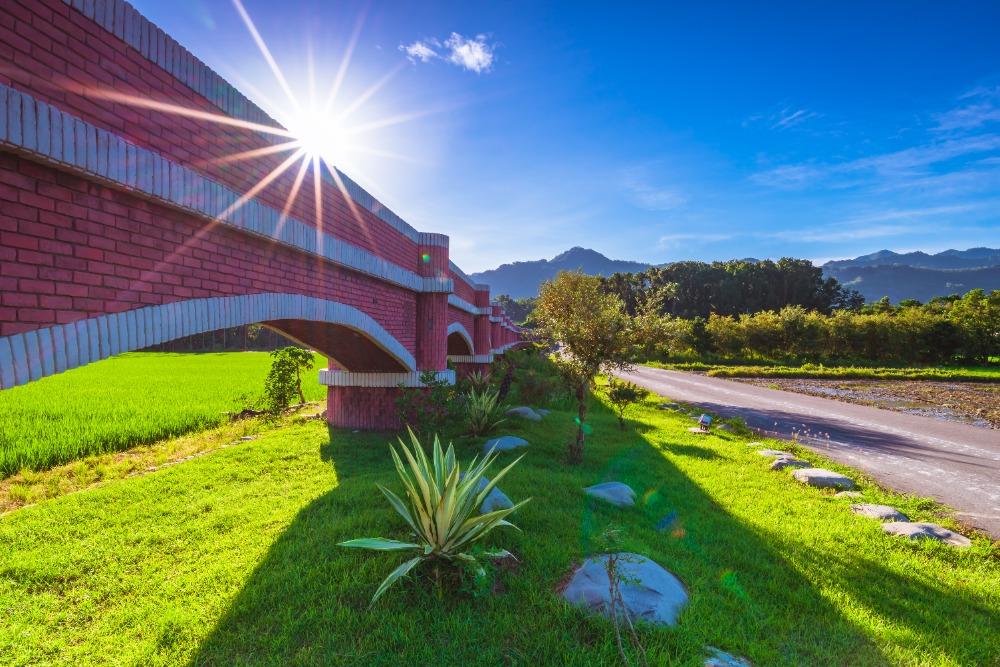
{"x": 483, "y": 411}
{"x": 128, "y": 400}
{"x": 814, "y": 371}
{"x": 441, "y": 508}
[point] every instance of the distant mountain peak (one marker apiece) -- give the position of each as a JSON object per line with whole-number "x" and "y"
{"x": 578, "y": 254}
{"x": 523, "y": 278}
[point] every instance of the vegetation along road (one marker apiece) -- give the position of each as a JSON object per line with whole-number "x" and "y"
{"x": 957, "y": 464}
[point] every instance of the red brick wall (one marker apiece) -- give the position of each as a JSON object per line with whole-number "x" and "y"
{"x": 54, "y": 52}
{"x": 71, "y": 248}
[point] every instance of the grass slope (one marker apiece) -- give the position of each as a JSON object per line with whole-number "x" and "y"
{"x": 230, "y": 559}
{"x": 128, "y": 400}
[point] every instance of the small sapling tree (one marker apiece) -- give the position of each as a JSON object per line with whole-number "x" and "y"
{"x": 592, "y": 329}
{"x": 621, "y": 395}
{"x": 284, "y": 380}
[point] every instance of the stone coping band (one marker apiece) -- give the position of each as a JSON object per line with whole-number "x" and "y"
{"x": 462, "y": 304}
{"x": 471, "y": 358}
{"x": 334, "y": 378}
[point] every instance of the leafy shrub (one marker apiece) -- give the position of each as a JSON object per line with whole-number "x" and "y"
{"x": 535, "y": 387}
{"x": 426, "y": 409}
{"x": 483, "y": 411}
{"x": 623, "y": 394}
{"x": 284, "y": 380}
{"x": 441, "y": 508}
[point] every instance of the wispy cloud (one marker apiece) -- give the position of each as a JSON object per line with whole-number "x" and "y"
{"x": 675, "y": 240}
{"x": 786, "y": 117}
{"x": 980, "y": 107}
{"x": 642, "y": 191}
{"x": 474, "y": 54}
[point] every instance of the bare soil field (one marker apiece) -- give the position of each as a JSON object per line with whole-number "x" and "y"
{"x": 974, "y": 403}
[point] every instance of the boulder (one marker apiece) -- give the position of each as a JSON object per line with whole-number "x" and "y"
{"x": 495, "y": 499}
{"x": 823, "y": 479}
{"x": 775, "y": 452}
{"x": 668, "y": 406}
{"x": 615, "y": 493}
{"x": 926, "y": 531}
{"x": 648, "y": 592}
{"x": 543, "y": 411}
{"x": 783, "y": 462}
{"x": 848, "y": 494}
{"x": 524, "y": 412}
{"x": 880, "y": 512}
{"x": 504, "y": 443}
{"x": 720, "y": 658}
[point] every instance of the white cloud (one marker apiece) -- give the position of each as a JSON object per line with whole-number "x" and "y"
{"x": 474, "y": 54}
{"x": 421, "y": 50}
{"x": 675, "y": 240}
{"x": 784, "y": 118}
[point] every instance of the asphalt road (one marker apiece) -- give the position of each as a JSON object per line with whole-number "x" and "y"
{"x": 956, "y": 464}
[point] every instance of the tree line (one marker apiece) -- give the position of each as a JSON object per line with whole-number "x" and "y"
{"x": 963, "y": 329}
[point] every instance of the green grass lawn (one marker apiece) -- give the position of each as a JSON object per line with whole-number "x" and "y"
{"x": 817, "y": 371}
{"x": 128, "y": 400}
{"x": 231, "y": 558}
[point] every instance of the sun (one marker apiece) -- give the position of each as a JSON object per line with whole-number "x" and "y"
{"x": 318, "y": 134}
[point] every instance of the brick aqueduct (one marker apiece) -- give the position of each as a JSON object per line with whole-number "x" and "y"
{"x": 113, "y": 238}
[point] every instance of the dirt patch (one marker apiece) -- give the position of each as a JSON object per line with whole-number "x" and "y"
{"x": 974, "y": 403}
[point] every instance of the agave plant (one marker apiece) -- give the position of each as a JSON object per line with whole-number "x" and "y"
{"x": 478, "y": 381}
{"x": 441, "y": 508}
{"x": 483, "y": 411}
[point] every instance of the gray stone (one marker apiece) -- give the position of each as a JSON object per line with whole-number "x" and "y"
{"x": 848, "y": 494}
{"x": 823, "y": 479}
{"x": 649, "y": 592}
{"x": 926, "y": 531}
{"x": 720, "y": 658}
{"x": 725, "y": 427}
{"x": 495, "y": 499}
{"x": 755, "y": 444}
{"x": 783, "y": 462}
{"x": 524, "y": 412}
{"x": 668, "y": 406}
{"x": 543, "y": 411}
{"x": 775, "y": 452}
{"x": 880, "y": 512}
{"x": 504, "y": 443}
{"x": 615, "y": 493}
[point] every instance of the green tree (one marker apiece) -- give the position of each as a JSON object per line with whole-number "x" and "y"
{"x": 284, "y": 380}
{"x": 591, "y": 326}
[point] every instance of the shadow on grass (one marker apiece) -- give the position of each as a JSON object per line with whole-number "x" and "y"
{"x": 307, "y": 600}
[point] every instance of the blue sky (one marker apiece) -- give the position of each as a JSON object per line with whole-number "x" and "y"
{"x": 674, "y": 131}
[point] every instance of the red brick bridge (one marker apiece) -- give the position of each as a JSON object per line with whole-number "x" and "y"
{"x": 125, "y": 225}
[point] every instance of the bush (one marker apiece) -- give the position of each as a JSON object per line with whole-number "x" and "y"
{"x": 623, "y": 394}
{"x": 425, "y": 409}
{"x": 284, "y": 380}
{"x": 441, "y": 509}
{"x": 477, "y": 381}
{"x": 483, "y": 411}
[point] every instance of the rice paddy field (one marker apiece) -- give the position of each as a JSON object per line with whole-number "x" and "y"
{"x": 129, "y": 400}
{"x": 989, "y": 373}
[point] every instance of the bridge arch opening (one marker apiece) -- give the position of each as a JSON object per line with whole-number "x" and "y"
{"x": 459, "y": 341}
{"x": 351, "y": 338}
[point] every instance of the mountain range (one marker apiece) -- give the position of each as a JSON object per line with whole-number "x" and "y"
{"x": 918, "y": 275}
{"x": 911, "y": 275}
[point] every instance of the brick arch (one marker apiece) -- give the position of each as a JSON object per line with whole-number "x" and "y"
{"x": 459, "y": 340}
{"x": 351, "y": 337}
